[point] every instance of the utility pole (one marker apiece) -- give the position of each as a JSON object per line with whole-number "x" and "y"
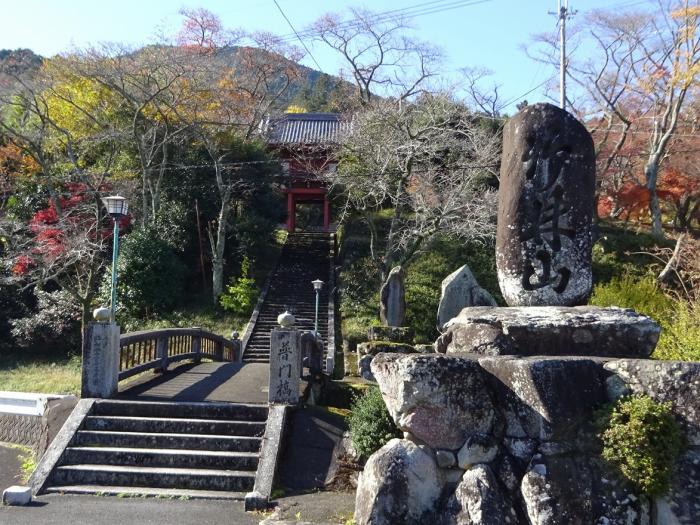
{"x": 562, "y": 14}
{"x": 563, "y": 9}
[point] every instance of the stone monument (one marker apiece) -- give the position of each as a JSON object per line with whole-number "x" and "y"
{"x": 459, "y": 290}
{"x": 392, "y": 298}
{"x": 285, "y": 362}
{"x": 545, "y": 206}
{"x": 498, "y": 423}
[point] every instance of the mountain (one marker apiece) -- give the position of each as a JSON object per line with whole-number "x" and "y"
{"x": 19, "y": 61}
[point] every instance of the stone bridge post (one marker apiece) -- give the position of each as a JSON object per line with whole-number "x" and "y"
{"x": 285, "y": 362}
{"x": 100, "y": 370}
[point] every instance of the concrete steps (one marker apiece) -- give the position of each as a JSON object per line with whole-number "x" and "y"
{"x": 305, "y": 257}
{"x": 212, "y": 448}
{"x": 122, "y": 491}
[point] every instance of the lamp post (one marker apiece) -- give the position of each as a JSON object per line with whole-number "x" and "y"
{"x": 318, "y": 284}
{"x": 117, "y": 208}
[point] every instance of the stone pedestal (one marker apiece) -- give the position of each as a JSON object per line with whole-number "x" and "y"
{"x": 100, "y": 360}
{"x": 550, "y": 330}
{"x": 285, "y": 366}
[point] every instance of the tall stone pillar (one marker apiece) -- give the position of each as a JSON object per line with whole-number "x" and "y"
{"x": 100, "y": 373}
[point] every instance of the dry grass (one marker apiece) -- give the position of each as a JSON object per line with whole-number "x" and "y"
{"x": 40, "y": 374}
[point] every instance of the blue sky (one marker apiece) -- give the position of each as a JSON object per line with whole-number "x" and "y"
{"x": 487, "y": 34}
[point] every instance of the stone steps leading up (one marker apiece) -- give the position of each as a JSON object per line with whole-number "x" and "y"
{"x": 304, "y": 258}
{"x": 212, "y": 448}
{"x": 185, "y": 478}
{"x": 116, "y": 490}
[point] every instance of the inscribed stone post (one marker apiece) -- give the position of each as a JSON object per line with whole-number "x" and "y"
{"x": 100, "y": 371}
{"x": 545, "y": 207}
{"x": 392, "y": 298}
{"x": 285, "y": 366}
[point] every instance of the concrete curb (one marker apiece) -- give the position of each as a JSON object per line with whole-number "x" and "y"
{"x": 270, "y": 450}
{"x": 55, "y": 450}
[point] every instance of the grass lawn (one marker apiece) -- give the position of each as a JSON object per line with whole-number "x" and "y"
{"x": 43, "y": 374}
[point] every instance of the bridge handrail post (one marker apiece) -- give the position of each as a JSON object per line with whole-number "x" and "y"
{"x": 197, "y": 345}
{"x": 162, "y": 353}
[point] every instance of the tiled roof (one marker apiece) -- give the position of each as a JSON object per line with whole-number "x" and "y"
{"x": 307, "y": 128}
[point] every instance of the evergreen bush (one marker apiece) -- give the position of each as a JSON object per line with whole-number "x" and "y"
{"x": 371, "y": 426}
{"x": 151, "y": 275}
{"x": 642, "y": 439}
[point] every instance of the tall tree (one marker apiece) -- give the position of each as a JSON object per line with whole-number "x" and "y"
{"x": 428, "y": 164}
{"x": 231, "y": 103}
{"x": 644, "y": 66}
{"x": 380, "y": 56}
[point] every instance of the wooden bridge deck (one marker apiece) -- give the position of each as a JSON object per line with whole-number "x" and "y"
{"x": 217, "y": 381}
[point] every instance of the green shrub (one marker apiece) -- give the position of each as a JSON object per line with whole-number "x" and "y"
{"x": 680, "y": 338}
{"x": 679, "y": 320}
{"x": 151, "y": 275}
{"x": 642, "y": 439}
{"x": 54, "y": 326}
{"x": 371, "y": 426}
{"x": 240, "y": 296}
{"x": 641, "y": 294}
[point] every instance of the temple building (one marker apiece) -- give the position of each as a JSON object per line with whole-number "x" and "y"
{"x": 304, "y": 143}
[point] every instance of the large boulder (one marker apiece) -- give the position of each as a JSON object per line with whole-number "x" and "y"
{"x": 681, "y": 506}
{"x": 439, "y": 399}
{"x": 400, "y": 484}
{"x": 367, "y": 351}
{"x": 578, "y": 490}
{"x": 459, "y": 290}
{"x": 536, "y": 395}
{"x": 674, "y": 381}
{"x": 545, "y": 206}
{"x": 479, "y": 500}
{"x": 552, "y": 330}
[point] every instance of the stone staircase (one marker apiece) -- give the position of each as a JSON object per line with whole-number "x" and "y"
{"x": 161, "y": 449}
{"x": 304, "y": 258}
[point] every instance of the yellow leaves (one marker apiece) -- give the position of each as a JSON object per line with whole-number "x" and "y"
{"x": 296, "y": 109}
{"x": 80, "y": 105}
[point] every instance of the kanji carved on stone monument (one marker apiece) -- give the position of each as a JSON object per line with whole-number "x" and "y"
{"x": 545, "y": 205}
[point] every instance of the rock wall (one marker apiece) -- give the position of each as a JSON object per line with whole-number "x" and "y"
{"x": 509, "y": 440}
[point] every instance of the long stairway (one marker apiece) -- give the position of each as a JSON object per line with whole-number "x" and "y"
{"x": 304, "y": 258}
{"x": 165, "y": 449}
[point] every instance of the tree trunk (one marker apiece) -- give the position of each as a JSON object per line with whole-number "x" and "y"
{"x": 217, "y": 249}
{"x": 651, "y": 171}
{"x": 673, "y": 261}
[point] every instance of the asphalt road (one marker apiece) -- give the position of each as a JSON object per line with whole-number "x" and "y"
{"x": 56, "y": 509}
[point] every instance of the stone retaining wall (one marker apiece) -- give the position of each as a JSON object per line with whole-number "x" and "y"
{"x": 33, "y": 420}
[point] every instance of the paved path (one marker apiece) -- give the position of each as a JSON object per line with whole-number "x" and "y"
{"x": 55, "y": 509}
{"x": 10, "y": 466}
{"x": 228, "y": 382}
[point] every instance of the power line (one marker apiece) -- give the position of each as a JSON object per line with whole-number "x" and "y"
{"x": 297, "y": 34}
{"x": 416, "y": 10}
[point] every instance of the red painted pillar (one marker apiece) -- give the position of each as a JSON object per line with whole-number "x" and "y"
{"x": 291, "y": 210}
{"x": 326, "y": 213}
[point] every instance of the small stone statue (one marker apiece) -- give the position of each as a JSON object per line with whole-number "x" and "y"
{"x": 392, "y": 299}
{"x": 545, "y": 206}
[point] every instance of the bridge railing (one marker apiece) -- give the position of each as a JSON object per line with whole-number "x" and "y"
{"x": 156, "y": 349}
